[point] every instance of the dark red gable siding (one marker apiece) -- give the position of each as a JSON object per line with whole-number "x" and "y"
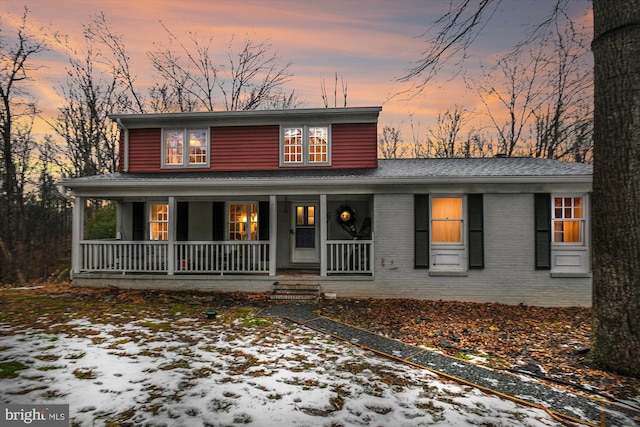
{"x": 245, "y": 148}
{"x": 145, "y": 146}
{"x": 121, "y": 151}
{"x": 354, "y": 145}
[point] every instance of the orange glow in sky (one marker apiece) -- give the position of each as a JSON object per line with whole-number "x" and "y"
{"x": 368, "y": 43}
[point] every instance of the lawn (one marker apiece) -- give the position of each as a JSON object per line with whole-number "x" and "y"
{"x": 122, "y": 358}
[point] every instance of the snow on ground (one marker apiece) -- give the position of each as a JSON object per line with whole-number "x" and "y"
{"x": 246, "y": 371}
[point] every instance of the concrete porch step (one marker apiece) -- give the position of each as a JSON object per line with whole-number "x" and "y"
{"x": 295, "y": 291}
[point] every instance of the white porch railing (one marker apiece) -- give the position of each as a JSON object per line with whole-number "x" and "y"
{"x": 350, "y": 256}
{"x": 189, "y": 257}
{"x": 115, "y": 255}
{"x": 220, "y": 257}
{"x": 343, "y": 257}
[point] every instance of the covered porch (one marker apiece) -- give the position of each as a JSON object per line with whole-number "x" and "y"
{"x": 244, "y": 236}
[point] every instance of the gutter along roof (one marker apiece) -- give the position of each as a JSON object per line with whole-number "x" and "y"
{"x": 249, "y": 118}
{"x": 510, "y": 170}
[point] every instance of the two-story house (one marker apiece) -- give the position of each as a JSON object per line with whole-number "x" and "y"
{"x": 237, "y": 201}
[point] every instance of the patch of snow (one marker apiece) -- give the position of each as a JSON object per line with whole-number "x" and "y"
{"x": 199, "y": 372}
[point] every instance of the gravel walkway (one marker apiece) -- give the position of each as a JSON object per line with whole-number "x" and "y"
{"x": 558, "y": 401}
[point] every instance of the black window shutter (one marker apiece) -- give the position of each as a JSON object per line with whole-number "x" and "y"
{"x": 475, "y": 211}
{"x": 421, "y": 220}
{"x": 542, "y": 206}
{"x": 182, "y": 221}
{"x": 263, "y": 221}
{"x": 218, "y": 221}
{"x": 137, "y": 221}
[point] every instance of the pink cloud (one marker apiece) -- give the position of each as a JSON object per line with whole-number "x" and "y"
{"x": 369, "y": 43}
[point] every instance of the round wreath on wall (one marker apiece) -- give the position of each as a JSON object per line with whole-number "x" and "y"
{"x": 346, "y": 219}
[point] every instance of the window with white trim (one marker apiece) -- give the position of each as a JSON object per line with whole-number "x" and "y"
{"x": 446, "y": 220}
{"x": 185, "y": 148}
{"x": 448, "y": 248}
{"x": 567, "y": 217}
{"x": 159, "y": 222}
{"x": 562, "y": 233}
{"x": 449, "y": 232}
{"x": 305, "y": 145}
{"x": 243, "y": 221}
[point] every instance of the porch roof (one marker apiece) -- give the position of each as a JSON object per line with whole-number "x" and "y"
{"x": 508, "y": 170}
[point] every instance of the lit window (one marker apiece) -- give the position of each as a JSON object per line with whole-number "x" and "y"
{"x": 195, "y": 154}
{"x": 305, "y": 215}
{"x": 568, "y": 220}
{"x": 293, "y": 145}
{"x": 243, "y": 221}
{"x": 159, "y": 222}
{"x": 305, "y": 145}
{"x": 173, "y": 141}
{"x": 318, "y": 145}
{"x": 305, "y": 227}
{"x": 446, "y": 220}
{"x": 198, "y": 147}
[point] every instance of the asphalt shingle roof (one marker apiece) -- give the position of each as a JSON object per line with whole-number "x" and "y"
{"x": 387, "y": 169}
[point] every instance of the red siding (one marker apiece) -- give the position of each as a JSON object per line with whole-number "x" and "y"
{"x": 145, "y": 146}
{"x": 245, "y": 148}
{"x": 121, "y": 151}
{"x": 354, "y": 145}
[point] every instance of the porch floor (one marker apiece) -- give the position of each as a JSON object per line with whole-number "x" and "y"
{"x": 297, "y": 272}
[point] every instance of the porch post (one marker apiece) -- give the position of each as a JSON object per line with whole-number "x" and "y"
{"x": 323, "y": 234}
{"x": 171, "y": 235}
{"x": 119, "y": 215}
{"x": 273, "y": 233}
{"x": 77, "y": 232}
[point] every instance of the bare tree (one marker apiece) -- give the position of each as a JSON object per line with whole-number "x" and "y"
{"x": 517, "y": 84}
{"x": 443, "y": 140}
{"x": 419, "y": 148}
{"x": 450, "y": 137}
{"x": 455, "y": 32}
{"x": 187, "y": 84}
{"x": 282, "y": 101}
{"x": 616, "y": 182}
{"x": 16, "y": 105}
{"x": 390, "y": 144}
{"x": 323, "y": 92}
{"x": 477, "y": 145}
{"x": 567, "y": 108}
{"x": 252, "y": 78}
{"x": 115, "y": 55}
{"x": 90, "y": 139}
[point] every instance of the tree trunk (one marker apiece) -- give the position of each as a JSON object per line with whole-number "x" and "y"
{"x": 616, "y": 186}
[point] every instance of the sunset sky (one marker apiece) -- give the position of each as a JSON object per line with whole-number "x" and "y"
{"x": 369, "y": 43}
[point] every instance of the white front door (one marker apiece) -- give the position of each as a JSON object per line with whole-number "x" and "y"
{"x": 305, "y": 247}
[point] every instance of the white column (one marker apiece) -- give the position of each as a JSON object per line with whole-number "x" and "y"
{"x": 273, "y": 234}
{"x": 77, "y": 233}
{"x": 119, "y": 215}
{"x": 323, "y": 234}
{"x": 171, "y": 236}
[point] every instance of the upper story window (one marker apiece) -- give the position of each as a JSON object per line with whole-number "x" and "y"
{"x": 568, "y": 220}
{"x": 185, "y": 148}
{"x": 305, "y": 145}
